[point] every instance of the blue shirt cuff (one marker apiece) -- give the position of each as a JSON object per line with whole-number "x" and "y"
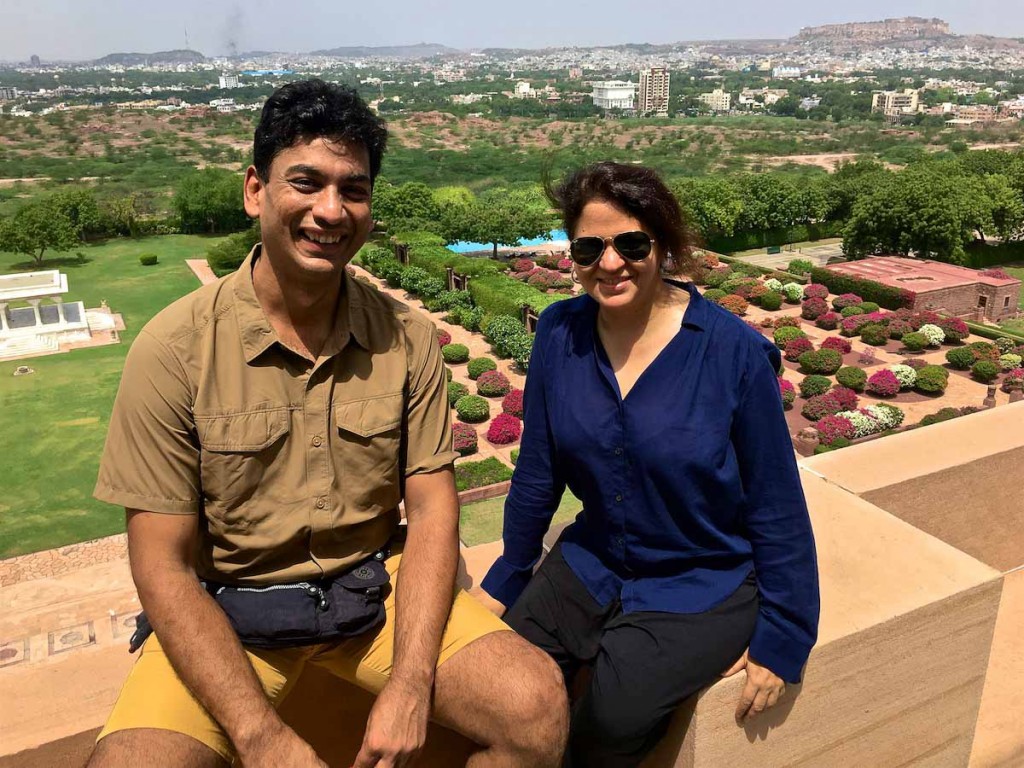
{"x": 505, "y": 582}
{"x": 771, "y": 647}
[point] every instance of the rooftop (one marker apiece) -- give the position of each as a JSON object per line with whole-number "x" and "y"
{"x": 917, "y": 275}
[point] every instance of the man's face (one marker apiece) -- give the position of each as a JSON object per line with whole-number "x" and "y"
{"x": 314, "y": 207}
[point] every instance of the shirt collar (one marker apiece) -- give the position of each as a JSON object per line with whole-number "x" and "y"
{"x": 697, "y": 311}
{"x": 258, "y": 335}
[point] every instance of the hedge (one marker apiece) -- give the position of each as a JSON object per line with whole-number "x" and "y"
{"x": 868, "y": 290}
{"x": 475, "y": 474}
{"x": 988, "y": 332}
{"x": 753, "y": 269}
{"x": 501, "y": 295}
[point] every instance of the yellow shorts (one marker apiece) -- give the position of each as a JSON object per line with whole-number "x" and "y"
{"x": 154, "y": 697}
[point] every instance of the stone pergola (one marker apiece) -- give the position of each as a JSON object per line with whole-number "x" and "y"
{"x": 33, "y": 288}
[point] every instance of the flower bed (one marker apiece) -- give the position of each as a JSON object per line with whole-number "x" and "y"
{"x": 504, "y": 429}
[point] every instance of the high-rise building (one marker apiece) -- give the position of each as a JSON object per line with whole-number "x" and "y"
{"x": 228, "y": 81}
{"x": 614, "y": 94}
{"x": 654, "y": 84}
{"x": 896, "y": 105}
{"x": 8, "y": 93}
{"x": 717, "y": 101}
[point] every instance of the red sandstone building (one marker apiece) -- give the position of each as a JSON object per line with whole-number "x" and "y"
{"x": 958, "y": 291}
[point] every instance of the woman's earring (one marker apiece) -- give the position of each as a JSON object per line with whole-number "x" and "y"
{"x": 574, "y": 277}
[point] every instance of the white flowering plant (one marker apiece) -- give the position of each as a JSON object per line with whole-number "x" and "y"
{"x": 1009, "y": 361}
{"x": 905, "y": 375}
{"x": 793, "y": 291}
{"x": 933, "y": 333}
{"x": 773, "y": 285}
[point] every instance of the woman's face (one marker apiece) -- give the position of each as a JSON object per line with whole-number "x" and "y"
{"x": 613, "y": 282}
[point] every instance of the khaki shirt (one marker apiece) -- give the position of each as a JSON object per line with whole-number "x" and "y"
{"x": 295, "y": 469}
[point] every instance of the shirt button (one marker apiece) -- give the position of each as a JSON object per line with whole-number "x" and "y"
{"x": 618, "y": 497}
{"x": 320, "y": 503}
{"x": 317, "y": 441}
{"x": 618, "y": 451}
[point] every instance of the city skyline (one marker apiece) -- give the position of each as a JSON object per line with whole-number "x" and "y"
{"x": 62, "y": 30}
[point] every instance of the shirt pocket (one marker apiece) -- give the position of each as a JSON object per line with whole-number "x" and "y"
{"x": 240, "y": 454}
{"x": 368, "y": 450}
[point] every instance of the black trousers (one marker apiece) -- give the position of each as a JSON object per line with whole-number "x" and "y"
{"x": 644, "y": 664}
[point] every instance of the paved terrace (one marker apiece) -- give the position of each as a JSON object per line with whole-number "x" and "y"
{"x": 921, "y": 547}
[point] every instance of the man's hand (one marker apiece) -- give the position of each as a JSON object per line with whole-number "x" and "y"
{"x": 488, "y": 602}
{"x": 277, "y": 746}
{"x": 397, "y": 727}
{"x": 763, "y": 689}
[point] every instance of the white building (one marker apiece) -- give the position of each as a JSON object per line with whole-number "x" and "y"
{"x": 614, "y": 94}
{"x": 781, "y": 73}
{"x": 896, "y": 104}
{"x": 523, "y": 90}
{"x": 717, "y": 101}
{"x": 8, "y": 93}
{"x": 228, "y": 81}
{"x": 654, "y": 89}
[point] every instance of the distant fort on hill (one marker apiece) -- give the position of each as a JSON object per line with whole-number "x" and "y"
{"x": 886, "y": 31}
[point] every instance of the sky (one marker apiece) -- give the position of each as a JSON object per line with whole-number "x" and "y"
{"x": 85, "y": 29}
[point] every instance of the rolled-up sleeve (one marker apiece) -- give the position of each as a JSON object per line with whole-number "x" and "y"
{"x": 427, "y": 429}
{"x": 151, "y": 457}
{"x": 537, "y": 484}
{"x": 776, "y": 521}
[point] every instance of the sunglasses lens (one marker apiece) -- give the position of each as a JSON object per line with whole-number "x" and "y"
{"x": 633, "y": 245}
{"x": 586, "y": 250}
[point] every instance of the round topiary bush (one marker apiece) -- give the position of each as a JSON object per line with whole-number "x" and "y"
{"x": 846, "y": 300}
{"x": 785, "y": 321}
{"x": 868, "y": 307}
{"x": 788, "y": 393}
{"x": 715, "y": 294}
{"x": 1010, "y": 361}
{"x": 493, "y": 384}
{"x": 786, "y": 334}
{"x": 915, "y": 341}
{"x": 148, "y": 259}
{"x": 838, "y": 343}
{"x": 479, "y": 365}
{"x": 797, "y": 347}
{"x": 851, "y": 311}
{"x": 820, "y": 406}
{"x": 906, "y": 375}
{"x": 954, "y": 328}
{"x": 874, "y": 334}
{"x": 815, "y": 291}
{"x": 456, "y": 391}
{"x": 773, "y": 285}
{"x": 717, "y": 276}
{"x": 814, "y": 308}
{"x": 898, "y": 328}
{"x": 771, "y": 301}
{"x": 932, "y": 379}
{"x": 1004, "y": 345}
{"x": 852, "y": 377}
{"x": 464, "y": 440}
{"x": 829, "y": 321}
{"x": 793, "y": 292}
{"x": 985, "y": 371}
{"x": 735, "y": 304}
{"x": 933, "y": 333}
{"x": 472, "y": 409}
{"x": 512, "y": 403}
{"x": 823, "y": 361}
{"x": 455, "y": 353}
{"x": 504, "y": 429}
{"x": 815, "y": 385}
{"x": 883, "y": 383}
{"x": 522, "y": 265}
{"x": 961, "y": 358}
{"x": 448, "y": 373}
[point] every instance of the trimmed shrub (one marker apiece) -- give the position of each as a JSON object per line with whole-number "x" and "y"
{"x": 846, "y": 397}
{"x": 455, "y": 353}
{"x": 820, "y": 406}
{"x": 812, "y": 309}
{"x": 514, "y": 456}
{"x": 815, "y": 291}
{"x": 476, "y": 474}
{"x": 823, "y": 361}
{"x": 464, "y": 440}
{"x": 831, "y": 428}
{"x": 814, "y": 385}
{"x": 906, "y": 375}
{"x": 933, "y": 333}
{"x": 840, "y": 303}
{"x": 786, "y": 334}
{"x": 869, "y": 307}
{"x": 448, "y": 373}
{"x": 829, "y": 321}
{"x": 985, "y": 371}
{"x": 472, "y": 409}
{"x": 883, "y": 383}
{"x": 564, "y": 266}
{"x": 800, "y": 266}
{"x": 797, "y": 347}
{"x": 443, "y": 338}
{"x": 793, "y": 292}
{"x": 1004, "y": 344}
{"x": 717, "y": 276}
{"x": 715, "y": 294}
{"x": 898, "y": 328}
{"x": 412, "y": 279}
{"x": 735, "y": 304}
{"x": 456, "y": 391}
{"x": 521, "y": 265}
{"x": 850, "y": 326}
{"x": 785, "y": 321}
{"x": 961, "y": 358}
{"x": 788, "y": 393}
{"x": 148, "y": 259}
{"x": 874, "y": 334}
{"x": 932, "y": 379}
{"x": 852, "y": 377}
{"x": 512, "y": 403}
{"x": 984, "y": 350}
{"x": 773, "y": 285}
{"x": 917, "y": 363}
{"x": 1013, "y": 380}
{"x": 771, "y": 301}
{"x": 838, "y": 343}
{"x": 493, "y": 384}
{"x": 1009, "y": 361}
{"x": 915, "y": 341}
{"x": 954, "y": 328}
{"x": 886, "y": 296}
{"x": 479, "y": 365}
{"x": 504, "y": 429}
{"x": 851, "y": 311}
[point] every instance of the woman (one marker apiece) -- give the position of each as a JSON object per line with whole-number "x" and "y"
{"x": 661, "y": 412}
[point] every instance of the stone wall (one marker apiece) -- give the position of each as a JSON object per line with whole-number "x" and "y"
{"x": 962, "y": 301}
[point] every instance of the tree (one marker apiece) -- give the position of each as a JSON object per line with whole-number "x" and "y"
{"x": 408, "y": 206}
{"x": 712, "y": 203}
{"x": 37, "y": 228}
{"x": 499, "y": 216}
{"x": 210, "y": 201}
{"x": 80, "y": 208}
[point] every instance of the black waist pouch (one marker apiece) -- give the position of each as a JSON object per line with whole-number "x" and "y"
{"x": 303, "y": 613}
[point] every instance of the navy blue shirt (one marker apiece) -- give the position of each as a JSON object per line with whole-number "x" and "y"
{"x": 687, "y": 484}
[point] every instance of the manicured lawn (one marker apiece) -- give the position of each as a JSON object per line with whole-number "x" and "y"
{"x": 54, "y": 422}
{"x": 1018, "y": 272}
{"x": 480, "y": 521}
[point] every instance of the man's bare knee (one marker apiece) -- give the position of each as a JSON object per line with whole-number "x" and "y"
{"x": 540, "y": 707}
{"x": 153, "y": 747}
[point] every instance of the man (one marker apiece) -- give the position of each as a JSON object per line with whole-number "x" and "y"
{"x": 266, "y": 428}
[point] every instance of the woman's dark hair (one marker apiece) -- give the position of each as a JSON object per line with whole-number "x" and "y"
{"x": 310, "y": 109}
{"x": 636, "y": 190}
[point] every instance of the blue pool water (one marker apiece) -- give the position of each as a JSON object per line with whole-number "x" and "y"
{"x": 466, "y": 247}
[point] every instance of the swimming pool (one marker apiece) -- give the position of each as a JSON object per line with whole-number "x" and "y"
{"x": 556, "y": 235}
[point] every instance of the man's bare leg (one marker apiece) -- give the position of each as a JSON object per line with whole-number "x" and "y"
{"x": 154, "y": 748}
{"x": 507, "y": 696}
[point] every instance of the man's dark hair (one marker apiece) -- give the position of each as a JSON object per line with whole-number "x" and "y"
{"x": 311, "y": 109}
{"x": 636, "y": 190}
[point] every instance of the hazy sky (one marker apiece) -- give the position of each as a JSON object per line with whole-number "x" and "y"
{"x": 84, "y": 29}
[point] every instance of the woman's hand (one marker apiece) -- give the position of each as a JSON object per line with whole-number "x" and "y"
{"x": 763, "y": 689}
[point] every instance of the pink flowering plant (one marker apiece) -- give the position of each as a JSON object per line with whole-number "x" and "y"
{"x": 797, "y": 347}
{"x": 813, "y": 308}
{"x": 504, "y": 429}
{"x": 788, "y": 392}
{"x": 838, "y": 343}
{"x": 464, "y": 440}
{"x": 883, "y": 383}
{"x": 565, "y": 265}
{"x": 493, "y": 384}
{"x": 831, "y": 428}
{"x": 829, "y": 321}
{"x": 845, "y": 397}
{"x": 815, "y": 291}
{"x": 512, "y": 403}
{"x": 846, "y": 300}
{"x": 522, "y": 265}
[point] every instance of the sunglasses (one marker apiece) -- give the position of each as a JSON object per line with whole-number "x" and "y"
{"x": 633, "y": 246}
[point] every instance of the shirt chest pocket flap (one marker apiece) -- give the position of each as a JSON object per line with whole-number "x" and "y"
{"x": 238, "y": 450}
{"x": 369, "y": 432}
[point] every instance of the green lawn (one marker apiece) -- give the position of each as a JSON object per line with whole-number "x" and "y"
{"x": 1018, "y": 272}
{"x": 480, "y": 521}
{"x": 53, "y": 422}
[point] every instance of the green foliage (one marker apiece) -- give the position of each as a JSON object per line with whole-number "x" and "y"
{"x": 786, "y": 334}
{"x": 501, "y": 295}
{"x": 406, "y": 206}
{"x": 456, "y": 391}
{"x": 874, "y": 334}
{"x": 868, "y": 290}
{"x": 455, "y": 353}
{"x": 852, "y": 377}
{"x": 932, "y": 379}
{"x": 868, "y": 307}
{"x": 715, "y": 294}
{"x": 815, "y": 385}
{"x": 498, "y": 216}
{"x": 227, "y": 255}
{"x": 36, "y": 228}
{"x": 210, "y": 201}
{"x": 476, "y": 474}
{"x": 771, "y": 301}
{"x": 961, "y": 358}
{"x": 148, "y": 259}
{"x": 822, "y": 361}
{"x": 514, "y": 456}
{"x": 478, "y": 365}
{"x": 472, "y": 409}
{"x": 985, "y": 371}
{"x": 799, "y": 266}
{"x": 915, "y": 341}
